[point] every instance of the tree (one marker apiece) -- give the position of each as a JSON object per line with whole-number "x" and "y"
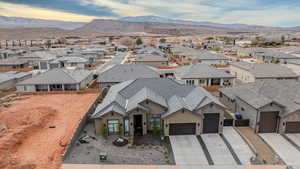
{"x": 139, "y": 41}
{"x": 48, "y": 43}
{"x": 282, "y": 38}
{"x": 162, "y": 40}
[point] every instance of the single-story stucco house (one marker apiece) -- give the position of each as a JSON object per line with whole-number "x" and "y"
{"x": 203, "y": 75}
{"x": 270, "y": 105}
{"x": 57, "y": 80}
{"x": 114, "y": 74}
{"x": 252, "y": 72}
{"x": 140, "y": 106}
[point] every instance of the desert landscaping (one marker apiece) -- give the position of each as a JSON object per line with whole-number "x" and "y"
{"x": 37, "y": 128}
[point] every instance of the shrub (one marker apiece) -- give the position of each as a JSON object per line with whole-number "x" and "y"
{"x": 120, "y": 133}
{"x": 104, "y": 131}
{"x": 155, "y": 130}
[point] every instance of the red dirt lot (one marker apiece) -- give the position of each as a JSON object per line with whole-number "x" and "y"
{"x": 28, "y": 142}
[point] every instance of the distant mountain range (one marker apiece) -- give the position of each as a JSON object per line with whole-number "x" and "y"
{"x": 118, "y": 26}
{"x": 148, "y": 24}
{"x": 173, "y": 21}
{"x": 19, "y": 22}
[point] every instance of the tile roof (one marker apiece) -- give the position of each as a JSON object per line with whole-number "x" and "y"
{"x": 163, "y": 91}
{"x": 198, "y": 71}
{"x": 260, "y": 93}
{"x": 123, "y": 72}
{"x": 58, "y": 76}
{"x": 265, "y": 70}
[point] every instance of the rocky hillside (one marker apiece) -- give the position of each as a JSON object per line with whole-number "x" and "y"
{"x": 116, "y": 26}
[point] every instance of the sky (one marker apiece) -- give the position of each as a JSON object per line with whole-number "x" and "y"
{"x": 284, "y": 13}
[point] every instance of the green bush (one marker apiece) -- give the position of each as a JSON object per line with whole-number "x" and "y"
{"x": 104, "y": 131}
{"x": 120, "y": 133}
{"x": 155, "y": 130}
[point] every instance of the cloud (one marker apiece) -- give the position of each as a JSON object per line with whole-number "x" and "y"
{"x": 15, "y": 10}
{"x": 259, "y": 12}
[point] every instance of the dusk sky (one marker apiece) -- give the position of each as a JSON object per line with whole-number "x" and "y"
{"x": 259, "y": 12}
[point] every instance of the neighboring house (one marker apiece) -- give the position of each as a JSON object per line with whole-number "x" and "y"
{"x": 243, "y": 43}
{"x": 122, "y": 48}
{"x": 140, "y": 106}
{"x": 57, "y": 80}
{"x": 34, "y": 58}
{"x": 151, "y": 60}
{"x": 204, "y": 75}
{"x": 275, "y": 56}
{"x": 9, "y": 53}
{"x": 271, "y": 105}
{"x": 266, "y": 55}
{"x": 209, "y": 58}
{"x": 13, "y": 63}
{"x": 9, "y": 79}
{"x": 68, "y": 61}
{"x": 294, "y": 65}
{"x": 150, "y": 50}
{"x": 251, "y": 72}
{"x": 122, "y": 72}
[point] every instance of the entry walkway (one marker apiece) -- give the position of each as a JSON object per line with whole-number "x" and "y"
{"x": 187, "y": 150}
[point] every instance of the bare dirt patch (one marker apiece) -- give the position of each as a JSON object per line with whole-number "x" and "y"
{"x": 39, "y": 129}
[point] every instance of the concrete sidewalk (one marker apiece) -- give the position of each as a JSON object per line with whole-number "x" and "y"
{"x": 91, "y": 166}
{"x": 239, "y": 146}
{"x": 187, "y": 150}
{"x": 218, "y": 150}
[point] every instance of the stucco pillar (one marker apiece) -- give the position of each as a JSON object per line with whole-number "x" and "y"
{"x": 209, "y": 81}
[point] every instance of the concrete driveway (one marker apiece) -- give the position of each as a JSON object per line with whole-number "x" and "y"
{"x": 239, "y": 146}
{"x": 187, "y": 150}
{"x": 218, "y": 150}
{"x": 295, "y": 138}
{"x": 288, "y": 153}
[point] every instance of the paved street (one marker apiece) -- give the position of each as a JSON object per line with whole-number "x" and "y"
{"x": 239, "y": 146}
{"x": 288, "y": 153}
{"x": 117, "y": 59}
{"x": 90, "y": 166}
{"x": 187, "y": 150}
{"x": 218, "y": 150}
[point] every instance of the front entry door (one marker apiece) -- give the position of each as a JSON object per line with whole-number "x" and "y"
{"x": 138, "y": 125}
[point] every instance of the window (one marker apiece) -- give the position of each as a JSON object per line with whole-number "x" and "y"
{"x": 41, "y": 88}
{"x": 155, "y": 121}
{"x": 191, "y": 82}
{"x": 69, "y": 87}
{"x": 56, "y": 87}
{"x": 113, "y": 126}
{"x": 126, "y": 126}
{"x": 201, "y": 81}
{"x": 73, "y": 64}
{"x": 215, "y": 82}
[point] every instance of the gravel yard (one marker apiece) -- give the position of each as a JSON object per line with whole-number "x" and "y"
{"x": 89, "y": 153}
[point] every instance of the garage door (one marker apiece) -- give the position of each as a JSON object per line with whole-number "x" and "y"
{"x": 292, "y": 127}
{"x": 211, "y": 123}
{"x": 182, "y": 129}
{"x": 268, "y": 122}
